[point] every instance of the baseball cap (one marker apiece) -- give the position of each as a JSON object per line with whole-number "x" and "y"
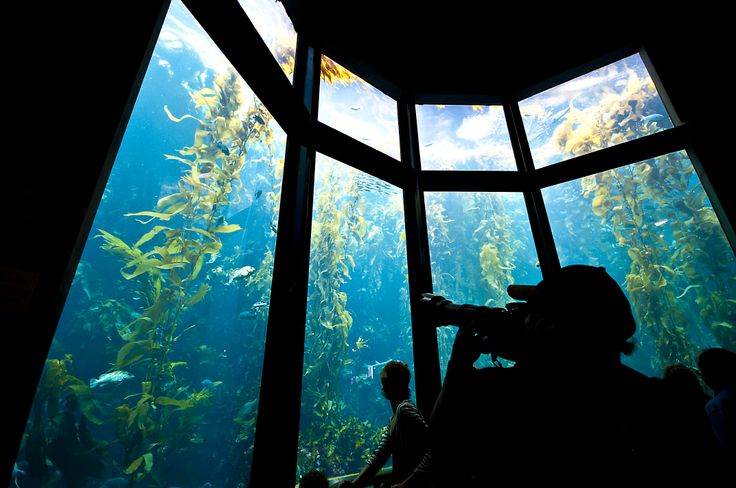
{"x": 588, "y": 289}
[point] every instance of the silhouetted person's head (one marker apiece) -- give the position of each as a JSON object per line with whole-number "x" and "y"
{"x": 578, "y": 311}
{"x": 395, "y": 378}
{"x": 313, "y": 479}
{"x": 683, "y": 379}
{"x": 718, "y": 367}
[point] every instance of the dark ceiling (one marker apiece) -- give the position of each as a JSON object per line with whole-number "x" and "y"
{"x": 491, "y": 47}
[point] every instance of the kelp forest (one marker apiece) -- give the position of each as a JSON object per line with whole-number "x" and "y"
{"x": 153, "y": 376}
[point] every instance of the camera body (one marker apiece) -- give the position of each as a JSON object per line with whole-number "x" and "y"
{"x": 501, "y": 330}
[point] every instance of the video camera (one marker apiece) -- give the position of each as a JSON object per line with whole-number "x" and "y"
{"x": 501, "y": 330}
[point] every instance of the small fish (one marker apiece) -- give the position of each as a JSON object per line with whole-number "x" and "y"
{"x": 274, "y": 229}
{"x": 222, "y": 147}
{"x": 239, "y": 274}
{"x": 355, "y": 107}
{"x": 361, "y": 343}
{"x": 247, "y": 315}
{"x": 258, "y": 194}
{"x": 259, "y": 119}
{"x": 651, "y": 117}
{"x": 112, "y": 377}
{"x": 661, "y": 222}
{"x": 256, "y": 307}
{"x": 208, "y": 384}
{"x": 725, "y": 324}
{"x": 248, "y": 407}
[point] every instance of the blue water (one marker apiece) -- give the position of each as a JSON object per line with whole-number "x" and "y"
{"x": 187, "y": 418}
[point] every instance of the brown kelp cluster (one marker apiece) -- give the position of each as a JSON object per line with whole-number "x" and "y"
{"x": 620, "y": 115}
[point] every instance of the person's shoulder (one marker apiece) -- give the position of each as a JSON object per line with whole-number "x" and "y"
{"x": 407, "y": 406}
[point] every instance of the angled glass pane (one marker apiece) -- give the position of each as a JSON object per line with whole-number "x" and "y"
{"x": 464, "y": 137}
{"x": 154, "y": 372}
{"x": 357, "y": 317}
{"x": 653, "y": 228}
{"x": 352, "y": 106}
{"x": 275, "y": 27}
{"x": 479, "y": 243}
{"x": 608, "y": 106}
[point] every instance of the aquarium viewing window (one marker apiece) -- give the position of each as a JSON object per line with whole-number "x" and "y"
{"x": 611, "y": 105}
{"x": 479, "y": 244}
{"x": 233, "y": 278}
{"x": 653, "y": 228}
{"x": 275, "y": 27}
{"x": 158, "y": 353}
{"x": 352, "y": 106}
{"x": 357, "y": 260}
{"x": 464, "y": 137}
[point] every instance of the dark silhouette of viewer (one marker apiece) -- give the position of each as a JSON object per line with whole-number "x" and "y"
{"x": 407, "y": 439}
{"x": 718, "y": 367}
{"x": 314, "y": 479}
{"x": 568, "y": 410}
{"x": 686, "y": 402}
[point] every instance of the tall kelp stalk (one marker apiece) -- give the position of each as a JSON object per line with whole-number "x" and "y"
{"x": 634, "y": 202}
{"x": 166, "y": 263}
{"x": 330, "y": 438}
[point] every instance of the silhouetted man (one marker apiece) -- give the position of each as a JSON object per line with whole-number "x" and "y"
{"x": 567, "y": 410}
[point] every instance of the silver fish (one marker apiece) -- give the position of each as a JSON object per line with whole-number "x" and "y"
{"x": 112, "y": 377}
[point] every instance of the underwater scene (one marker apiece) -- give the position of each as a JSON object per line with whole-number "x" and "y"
{"x": 153, "y": 376}
{"x": 358, "y": 316}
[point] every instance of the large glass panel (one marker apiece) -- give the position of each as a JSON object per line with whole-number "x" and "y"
{"x": 352, "y": 106}
{"x": 651, "y": 225}
{"x": 154, "y": 372}
{"x": 608, "y": 106}
{"x": 464, "y": 137}
{"x": 275, "y": 27}
{"x": 357, "y": 317}
{"x": 479, "y": 243}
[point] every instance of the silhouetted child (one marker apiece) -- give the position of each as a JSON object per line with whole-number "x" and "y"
{"x": 314, "y": 479}
{"x": 407, "y": 439}
{"x": 718, "y": 367}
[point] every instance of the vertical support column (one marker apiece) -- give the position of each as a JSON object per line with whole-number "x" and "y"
{"x": 538, "y": 219}
{"x": 424, "y": 335}
{"x": 277, "y": 427}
